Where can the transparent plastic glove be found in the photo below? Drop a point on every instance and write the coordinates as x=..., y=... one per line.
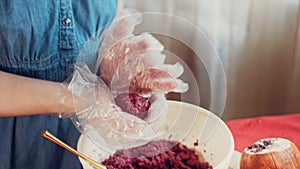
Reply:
x=66, y=99
x=135, y=63
x=103, y=121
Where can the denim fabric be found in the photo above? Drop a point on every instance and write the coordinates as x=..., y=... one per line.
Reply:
x=41, y=39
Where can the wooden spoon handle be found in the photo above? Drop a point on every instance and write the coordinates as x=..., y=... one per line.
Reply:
x=54, y=139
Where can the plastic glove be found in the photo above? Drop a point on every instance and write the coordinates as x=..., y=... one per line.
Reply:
x=128, y=64
x=103, y=121
x=135, y=63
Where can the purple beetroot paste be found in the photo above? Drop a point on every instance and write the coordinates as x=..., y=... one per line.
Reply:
x=173, y=156
x=134, y=104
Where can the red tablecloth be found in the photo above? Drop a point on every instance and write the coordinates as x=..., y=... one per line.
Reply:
x=247, y=131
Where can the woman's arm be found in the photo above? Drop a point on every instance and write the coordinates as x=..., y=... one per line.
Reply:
x=27, y=96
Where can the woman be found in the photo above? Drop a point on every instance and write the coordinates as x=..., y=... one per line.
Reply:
x=39, y=40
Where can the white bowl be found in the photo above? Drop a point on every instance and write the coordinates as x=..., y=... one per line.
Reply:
x=188, y=124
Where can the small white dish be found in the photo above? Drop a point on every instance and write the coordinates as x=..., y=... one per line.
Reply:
x=235, y=160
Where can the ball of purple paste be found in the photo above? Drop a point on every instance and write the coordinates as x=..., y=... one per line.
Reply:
x=134, y=104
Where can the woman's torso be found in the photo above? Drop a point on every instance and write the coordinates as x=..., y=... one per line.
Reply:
x=41, y=39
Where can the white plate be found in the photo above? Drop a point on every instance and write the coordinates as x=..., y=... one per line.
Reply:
x=186, y=123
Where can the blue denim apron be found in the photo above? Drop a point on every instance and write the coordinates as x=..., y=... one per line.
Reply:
x=40, y=39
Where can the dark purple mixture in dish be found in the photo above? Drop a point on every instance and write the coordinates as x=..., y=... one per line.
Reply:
x=134, y=104
x=160, y=154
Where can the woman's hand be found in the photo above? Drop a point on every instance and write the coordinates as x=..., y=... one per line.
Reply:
x=103, y=119
x=135, y=63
